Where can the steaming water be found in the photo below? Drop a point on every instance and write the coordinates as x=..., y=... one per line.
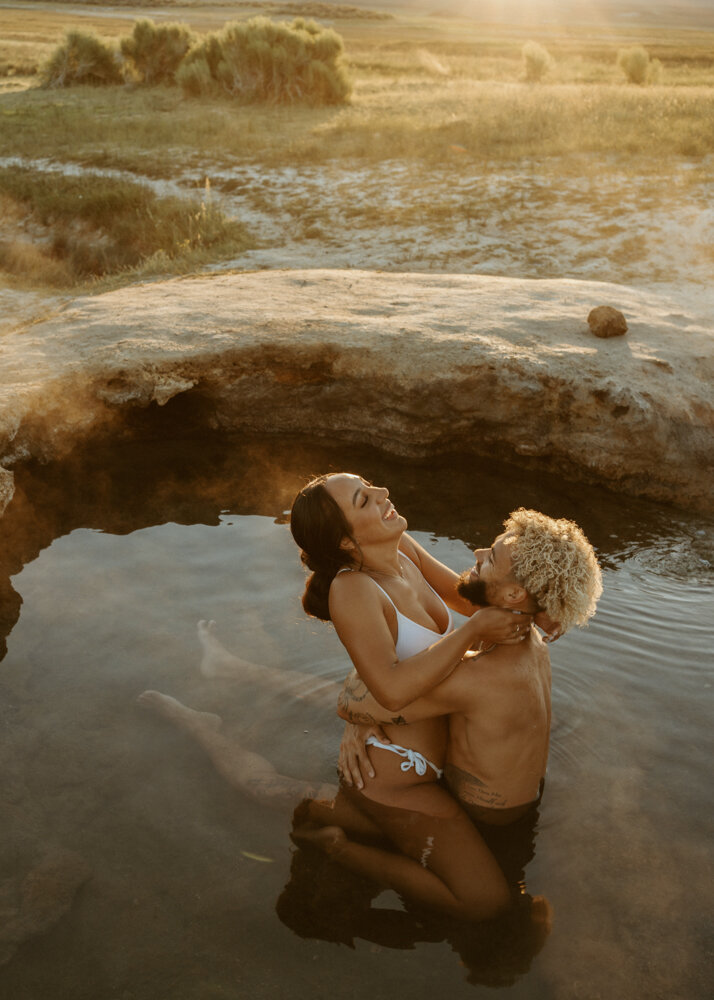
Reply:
x=119, y=553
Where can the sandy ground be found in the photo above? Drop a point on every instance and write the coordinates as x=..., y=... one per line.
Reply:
x=646, y=232
x=651, y=232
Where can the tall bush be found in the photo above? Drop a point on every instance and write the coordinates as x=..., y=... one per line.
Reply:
x=264, y=60
x=81, y=59
x=155, y=50
x=537, y=61
x=194, y=76
x=634, y=63
x=198, y=73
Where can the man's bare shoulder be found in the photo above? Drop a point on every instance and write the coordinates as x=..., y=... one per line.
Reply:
x=539, y=646
x=495, y=664
x=469, y=684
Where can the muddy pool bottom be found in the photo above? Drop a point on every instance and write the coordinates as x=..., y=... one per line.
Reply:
x=129, y=868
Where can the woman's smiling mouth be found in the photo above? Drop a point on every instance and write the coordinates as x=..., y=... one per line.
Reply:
x=389, y=513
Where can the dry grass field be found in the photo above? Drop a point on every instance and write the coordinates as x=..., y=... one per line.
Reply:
x=444, y=158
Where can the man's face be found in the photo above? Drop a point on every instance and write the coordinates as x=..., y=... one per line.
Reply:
x=487, y=583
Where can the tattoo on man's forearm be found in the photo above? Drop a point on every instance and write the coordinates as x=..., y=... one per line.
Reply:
x=355, y=689
x=353, y=692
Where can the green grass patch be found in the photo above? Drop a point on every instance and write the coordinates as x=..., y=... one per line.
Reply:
x=153, y=131
x=96, y=226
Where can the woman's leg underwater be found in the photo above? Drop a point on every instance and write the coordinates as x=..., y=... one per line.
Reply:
x=444, y=862
x=248, y=772
x=244, y=770
x=217, y=662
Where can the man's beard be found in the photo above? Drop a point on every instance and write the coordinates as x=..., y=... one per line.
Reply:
x=473, y=590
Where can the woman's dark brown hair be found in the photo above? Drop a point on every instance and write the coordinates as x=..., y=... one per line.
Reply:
x=319, y=527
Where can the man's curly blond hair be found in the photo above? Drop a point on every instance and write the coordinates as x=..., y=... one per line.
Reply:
x=556, y=564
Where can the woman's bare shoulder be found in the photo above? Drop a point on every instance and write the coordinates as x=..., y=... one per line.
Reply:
x=354, y=600
x=350, y=584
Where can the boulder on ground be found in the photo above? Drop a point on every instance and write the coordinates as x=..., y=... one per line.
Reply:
x=604, y=321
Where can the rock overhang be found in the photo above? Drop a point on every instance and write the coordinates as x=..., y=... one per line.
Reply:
x=413, y=364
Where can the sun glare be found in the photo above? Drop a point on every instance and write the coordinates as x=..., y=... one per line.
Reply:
x=541, y=12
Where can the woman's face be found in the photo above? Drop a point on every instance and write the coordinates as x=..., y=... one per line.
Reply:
x=367, y=508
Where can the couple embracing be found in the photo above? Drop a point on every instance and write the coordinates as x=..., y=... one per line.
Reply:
x=463, y=712
x=444, y=755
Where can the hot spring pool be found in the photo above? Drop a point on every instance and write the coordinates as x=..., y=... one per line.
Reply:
x=118, y=553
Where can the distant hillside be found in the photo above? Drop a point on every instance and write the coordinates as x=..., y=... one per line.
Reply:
x=299, y=8
x=654, y=13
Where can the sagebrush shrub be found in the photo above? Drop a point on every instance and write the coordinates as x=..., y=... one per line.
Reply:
x=537, y=61
x=264, y=60
x=82, y=58
x=195, y=78
x=156, y=50
x=654, y=71
x=634, y=63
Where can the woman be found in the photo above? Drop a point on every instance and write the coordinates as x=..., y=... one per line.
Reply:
x=390, y=603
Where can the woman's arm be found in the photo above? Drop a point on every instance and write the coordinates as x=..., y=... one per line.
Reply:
x=357, y=610
x=456, y=693
x=444, y=581
x=438, y=576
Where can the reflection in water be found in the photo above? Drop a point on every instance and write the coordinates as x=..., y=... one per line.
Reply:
x=322, y=900
x=113, y=578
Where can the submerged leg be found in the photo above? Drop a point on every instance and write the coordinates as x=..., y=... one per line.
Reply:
x=444, y=863
x=218, y=662
x=339, y=811
x=244, y=770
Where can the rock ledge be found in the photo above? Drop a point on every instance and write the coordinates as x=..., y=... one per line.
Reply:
x=414, y=364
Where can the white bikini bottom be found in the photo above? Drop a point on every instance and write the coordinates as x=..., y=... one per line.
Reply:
x=413, y=759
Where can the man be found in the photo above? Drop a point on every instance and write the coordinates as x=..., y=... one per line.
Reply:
x=498, y=699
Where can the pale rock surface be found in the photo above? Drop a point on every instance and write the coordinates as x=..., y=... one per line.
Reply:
x=414, y=364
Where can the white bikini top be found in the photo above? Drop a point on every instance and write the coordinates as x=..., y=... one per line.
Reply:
x=413, y=638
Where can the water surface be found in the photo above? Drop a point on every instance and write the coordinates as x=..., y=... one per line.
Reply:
x=120, y=551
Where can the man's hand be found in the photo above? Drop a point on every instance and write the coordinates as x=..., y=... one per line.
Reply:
x=354, y=760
